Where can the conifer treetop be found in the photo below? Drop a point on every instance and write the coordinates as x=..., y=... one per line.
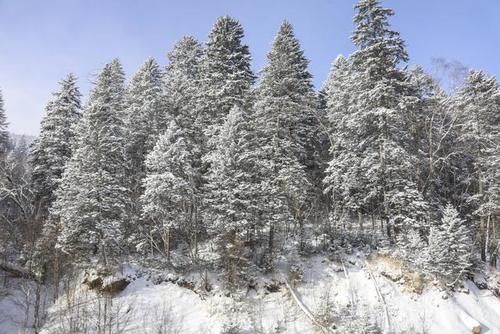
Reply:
x=4, y=135
x=374, y=37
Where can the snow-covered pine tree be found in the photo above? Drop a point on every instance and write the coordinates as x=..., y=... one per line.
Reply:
x=4, y=134
x=378, y=123
x=430, y=129
x=287, y=76
x=53, y=148
x=234, y=199
x=92, y=198
x=171, y=195
x=287, y=80
x=413, y=249
x=181, y=82
x=450, y=247
x=226, y=79
x=284, y=105
x=477, y=105
x=344, y=178
x=145, y=121
x=336, y=91
x=226, y=76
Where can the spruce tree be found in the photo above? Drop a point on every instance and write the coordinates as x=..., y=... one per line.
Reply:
x=233, y=170
x=170, y=197
x=4, y=134
x=234, y=200
x=344, y=177
x=284, y=107
x=146, y=120
x=182, y=88
x=413, y=249
x=226, y=74
x=377, y=125
x=53, y=147
x=477, y=104
x=450, y=247
x=336, y=92
x=92, y=198
x=181, y=82
x=225, y=81
x=287, y=80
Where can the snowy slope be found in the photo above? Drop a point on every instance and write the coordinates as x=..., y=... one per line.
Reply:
x=339, y=294
x=407, y=311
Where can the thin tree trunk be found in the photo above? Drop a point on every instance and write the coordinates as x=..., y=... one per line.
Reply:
x=104, y=255
x=388, y=228
x=167, y=243
x=360, y=221
x=482, y=223
x=196, y=225
x=57, y=275
x=271, y=238
x=487, y=238
x=36, y=310
x=496, y=244
x=105, y=315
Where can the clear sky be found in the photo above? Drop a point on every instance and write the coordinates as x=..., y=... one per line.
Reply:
x=42, y=41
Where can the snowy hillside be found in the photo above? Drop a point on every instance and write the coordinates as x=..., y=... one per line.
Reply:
x=353, y=295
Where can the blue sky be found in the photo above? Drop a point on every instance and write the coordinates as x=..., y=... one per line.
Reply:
x=42, y=41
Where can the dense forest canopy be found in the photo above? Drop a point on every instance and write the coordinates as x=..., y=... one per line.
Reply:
x=206, y=151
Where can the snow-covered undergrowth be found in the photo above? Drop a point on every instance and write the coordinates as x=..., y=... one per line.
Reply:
x=346, y=295
x=407, y=312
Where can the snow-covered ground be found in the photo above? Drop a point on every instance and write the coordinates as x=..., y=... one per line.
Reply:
x=339, y=294
x=407, y=312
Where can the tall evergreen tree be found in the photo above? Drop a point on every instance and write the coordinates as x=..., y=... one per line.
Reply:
x=226, y=74
x=287, y=80
x=182, y=88
x=477, y=104
x=53, y=147
x=344, y=178
x=234, y=198
x=284, y=110
x=171, y=194
x=92, y=198
x=4, y=134
x=378, y=124
x=336, y=92
x=225, y=81
x=146, y=120
x=181, y=82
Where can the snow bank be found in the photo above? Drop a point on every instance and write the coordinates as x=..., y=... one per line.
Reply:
x=334, y=296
